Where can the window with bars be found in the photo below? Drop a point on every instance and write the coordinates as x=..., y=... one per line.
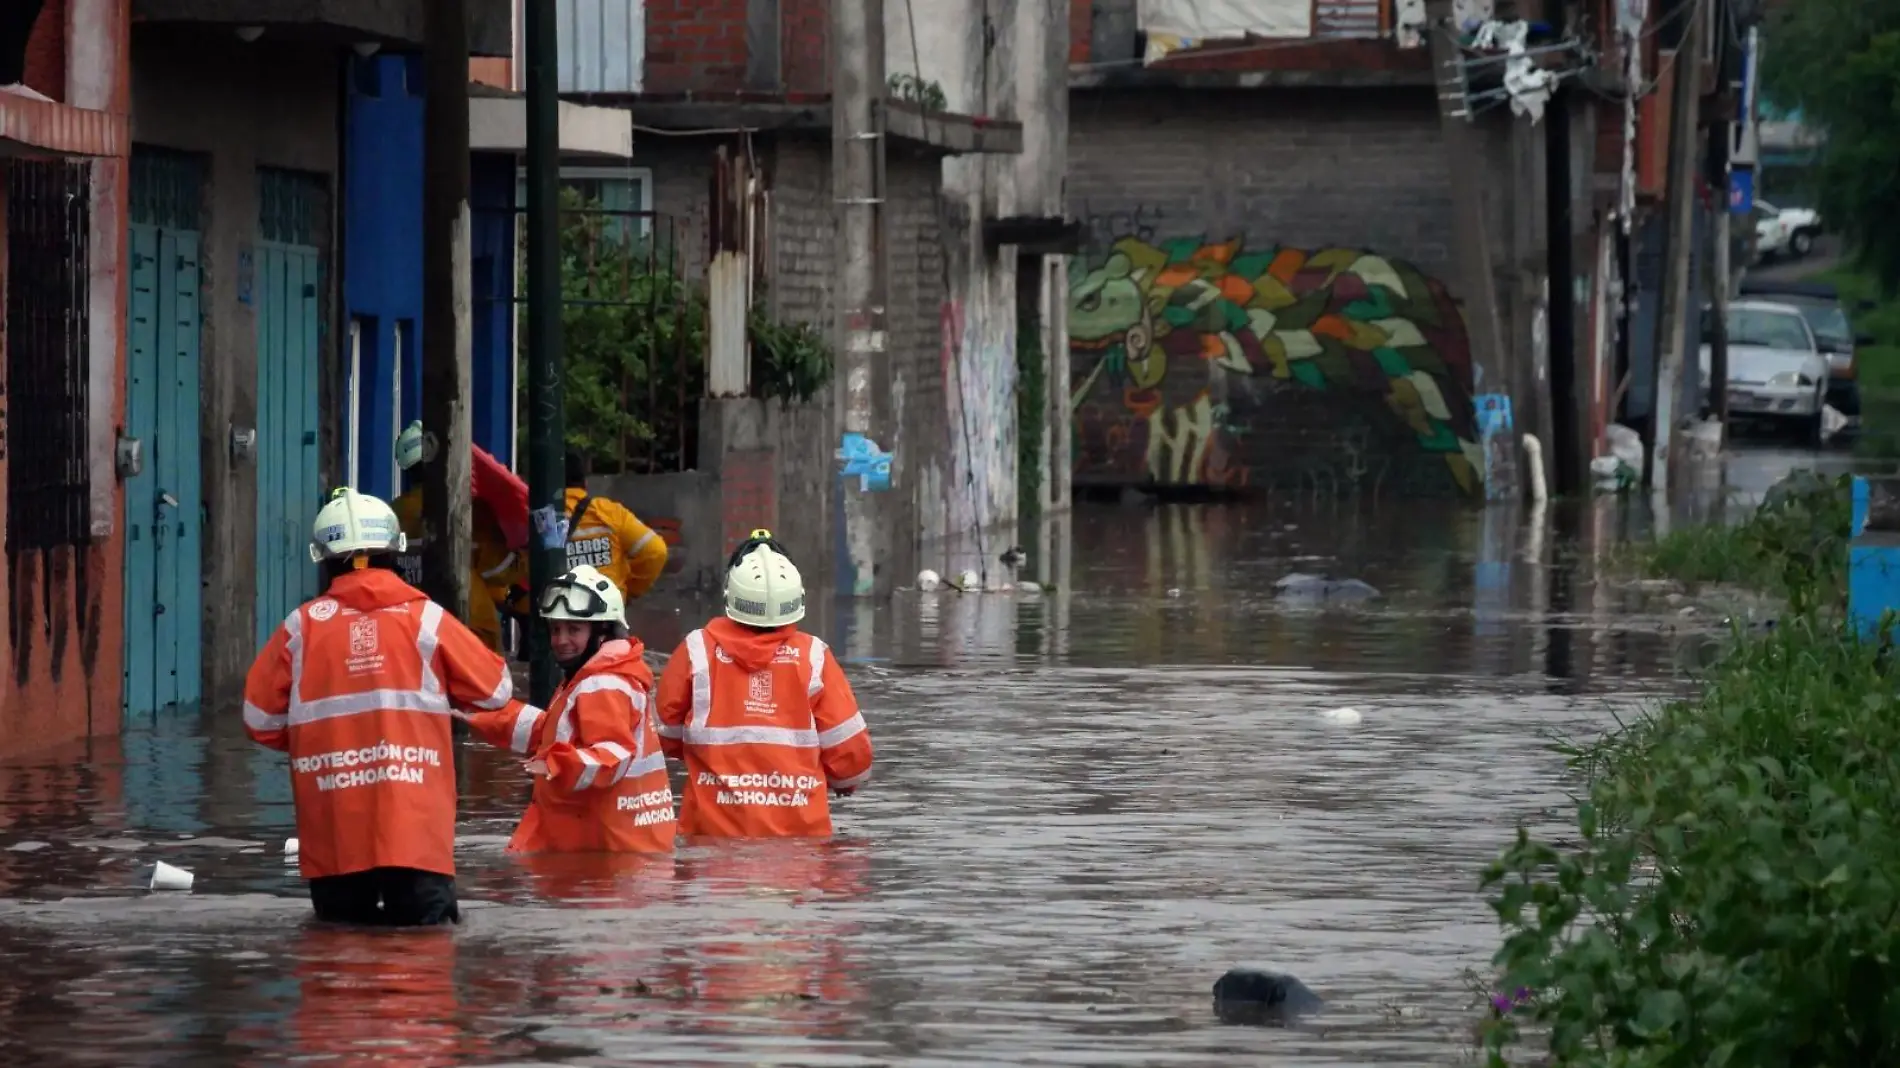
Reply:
x=49, y=482
x=622, y=192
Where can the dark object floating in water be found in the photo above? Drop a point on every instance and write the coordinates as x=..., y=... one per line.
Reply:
x=1246, y=996
x=1323, y=588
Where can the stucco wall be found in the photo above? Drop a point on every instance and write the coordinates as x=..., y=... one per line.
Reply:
x=265, y=104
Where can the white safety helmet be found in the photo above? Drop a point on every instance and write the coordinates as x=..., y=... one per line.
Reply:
x=763, y=589
x=409, y=446
x=353, y=523
x=584, y=595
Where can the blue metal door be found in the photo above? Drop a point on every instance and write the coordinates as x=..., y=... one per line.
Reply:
x=288, y=288
x=164, y=501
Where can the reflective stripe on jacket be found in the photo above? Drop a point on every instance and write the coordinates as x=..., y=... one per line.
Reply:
x=766, y=725
x=607, y=789
x=356, y=686
x=611, y=538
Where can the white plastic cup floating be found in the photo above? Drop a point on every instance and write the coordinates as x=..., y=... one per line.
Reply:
x=290, y=849
x=166, y=877
x=929, y=581
x=1345, y=717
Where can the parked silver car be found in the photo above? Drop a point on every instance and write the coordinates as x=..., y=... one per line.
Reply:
x=1775, y=366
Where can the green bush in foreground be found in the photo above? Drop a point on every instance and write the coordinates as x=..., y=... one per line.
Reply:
x=1794, y=546
x=1731, y=897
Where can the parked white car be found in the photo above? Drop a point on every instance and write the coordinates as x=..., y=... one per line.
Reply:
x=1775, y=366
x=1785, y=231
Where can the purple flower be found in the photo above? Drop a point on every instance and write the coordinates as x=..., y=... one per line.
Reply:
x=1503, y=1005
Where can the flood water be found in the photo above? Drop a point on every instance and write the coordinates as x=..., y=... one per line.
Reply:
x=1088, y=805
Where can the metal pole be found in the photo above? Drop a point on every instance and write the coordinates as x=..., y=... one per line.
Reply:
x=546, y=474
x=445, y=306
x=1678, y=248
x=857, y=149
x=1721, y=233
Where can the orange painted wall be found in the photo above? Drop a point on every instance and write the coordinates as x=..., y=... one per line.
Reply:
x=60, y=650
x=489, y=70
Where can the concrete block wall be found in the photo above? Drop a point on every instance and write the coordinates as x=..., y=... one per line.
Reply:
x=1338, y=361
x=802, y=237
x=776, y=465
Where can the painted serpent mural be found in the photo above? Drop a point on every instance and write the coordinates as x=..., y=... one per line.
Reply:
x=1209, y=364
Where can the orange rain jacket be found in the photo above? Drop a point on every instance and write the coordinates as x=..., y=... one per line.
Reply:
x=606, y=789
x=356, y=686
x=766, y=724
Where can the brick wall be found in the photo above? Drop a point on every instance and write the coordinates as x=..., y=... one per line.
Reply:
x=1303, y=379
x=805, y=37
x=46, y=51
x=695, y=46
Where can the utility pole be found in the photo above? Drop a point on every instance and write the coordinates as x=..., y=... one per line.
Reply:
x=446, y=324
x=857, y=154
x=546, y=436
x=1720, y=238
x=1472, y=235
x=1678, y=246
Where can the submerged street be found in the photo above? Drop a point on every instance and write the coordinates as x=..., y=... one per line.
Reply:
x=1088, y=804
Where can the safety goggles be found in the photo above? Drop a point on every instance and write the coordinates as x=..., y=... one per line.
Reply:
x=758, y=538
x=573, y=599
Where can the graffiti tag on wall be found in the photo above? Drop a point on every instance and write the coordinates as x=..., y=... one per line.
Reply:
x=1220, y=365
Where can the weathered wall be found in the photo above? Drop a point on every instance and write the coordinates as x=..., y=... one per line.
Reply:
x=1017, y=74
x=60, y=648
x=781, y=463
x=247, y=106
x=1262, y=303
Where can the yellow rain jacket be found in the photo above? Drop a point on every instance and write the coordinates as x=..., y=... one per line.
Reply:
x=612, y=538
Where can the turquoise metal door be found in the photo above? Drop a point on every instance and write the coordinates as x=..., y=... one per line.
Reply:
x=164, y=622
x=288, y=288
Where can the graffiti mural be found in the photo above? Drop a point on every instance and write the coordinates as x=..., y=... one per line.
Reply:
x=1330, y=371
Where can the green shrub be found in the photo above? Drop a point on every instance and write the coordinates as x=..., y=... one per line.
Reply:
x=634, y=334
x=1730, y=897
x=1794, y=546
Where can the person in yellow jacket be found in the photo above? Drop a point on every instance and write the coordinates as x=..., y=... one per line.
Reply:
x=493, y=568
x=607, y=536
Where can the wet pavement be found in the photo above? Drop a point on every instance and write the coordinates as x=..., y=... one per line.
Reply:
x=1089, y=803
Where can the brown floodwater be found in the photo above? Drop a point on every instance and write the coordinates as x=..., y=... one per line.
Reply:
x=1089, y=803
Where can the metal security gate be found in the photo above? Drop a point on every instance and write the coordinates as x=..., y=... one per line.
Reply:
x=289, y=299
x=164, y=503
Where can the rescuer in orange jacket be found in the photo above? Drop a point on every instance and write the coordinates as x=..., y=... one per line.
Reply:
x=599, y=774
x=357, y=687
x=760, y=711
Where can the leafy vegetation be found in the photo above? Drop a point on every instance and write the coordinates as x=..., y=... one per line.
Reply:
x=634, y=337
x=1728, y=896
x=1794, y=547
x=926, y=95
x=1838, y=62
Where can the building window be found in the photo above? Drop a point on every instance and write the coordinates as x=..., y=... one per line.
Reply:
x=625, y=193
x=49, y=483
